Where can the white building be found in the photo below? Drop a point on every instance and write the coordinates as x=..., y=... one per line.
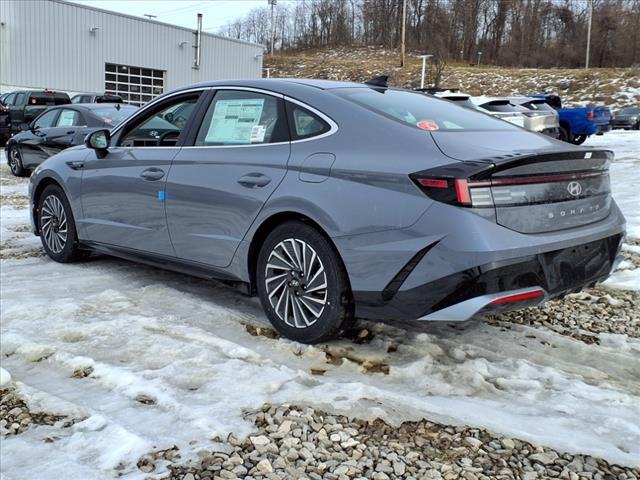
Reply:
x=75, y=48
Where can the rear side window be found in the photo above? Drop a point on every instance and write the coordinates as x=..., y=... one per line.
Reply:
x=68, y=118
x=19, y=99
x=421, y=111
x=243, y=118
x=305, y=124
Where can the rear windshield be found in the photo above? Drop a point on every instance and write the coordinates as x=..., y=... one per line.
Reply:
x=630, y=111
x=462, y=101
x=538, y=105
x=501, y=106
x=421, y=111
x=112, y=115
x=45, y=98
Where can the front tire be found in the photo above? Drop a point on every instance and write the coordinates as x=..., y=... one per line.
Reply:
x=15, y=162
x=303, y=285
x=57, y=226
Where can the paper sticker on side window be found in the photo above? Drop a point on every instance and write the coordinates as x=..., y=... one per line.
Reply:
x=66, y=118
x=235, y=121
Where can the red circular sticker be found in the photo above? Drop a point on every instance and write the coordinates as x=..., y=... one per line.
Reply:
x=427, y=125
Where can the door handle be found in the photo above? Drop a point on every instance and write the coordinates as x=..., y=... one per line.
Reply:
x=70, y=132
x=152, y=174
x=253, y=180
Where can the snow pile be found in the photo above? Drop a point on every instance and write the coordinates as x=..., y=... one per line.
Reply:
x=5, y=378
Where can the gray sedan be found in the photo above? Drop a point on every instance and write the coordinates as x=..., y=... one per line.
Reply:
x=335, y=200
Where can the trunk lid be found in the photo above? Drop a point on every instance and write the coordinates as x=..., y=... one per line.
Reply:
x=545, y=187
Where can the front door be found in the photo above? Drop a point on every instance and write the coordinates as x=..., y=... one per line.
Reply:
x=218, y=185
x=123, y=191
x=33, y=145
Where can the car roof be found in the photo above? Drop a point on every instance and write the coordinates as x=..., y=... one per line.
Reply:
x=279, y=85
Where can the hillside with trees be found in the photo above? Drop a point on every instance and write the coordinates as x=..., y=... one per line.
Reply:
x=518, y=33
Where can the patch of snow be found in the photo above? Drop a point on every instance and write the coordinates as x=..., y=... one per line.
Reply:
x=5, y=378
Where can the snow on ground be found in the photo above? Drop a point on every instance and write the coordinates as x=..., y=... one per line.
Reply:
x=144, y=359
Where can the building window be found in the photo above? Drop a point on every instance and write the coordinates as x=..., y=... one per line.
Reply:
x=136, y=85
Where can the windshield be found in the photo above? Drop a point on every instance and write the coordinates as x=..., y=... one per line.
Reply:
x=112, y=115
x=420, y=111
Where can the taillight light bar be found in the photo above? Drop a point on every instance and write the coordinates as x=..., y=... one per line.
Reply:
x=463, y=191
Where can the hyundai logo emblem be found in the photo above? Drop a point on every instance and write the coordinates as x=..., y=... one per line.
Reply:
x=574, y=188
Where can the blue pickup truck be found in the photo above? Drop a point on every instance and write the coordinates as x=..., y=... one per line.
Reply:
x=576, y=124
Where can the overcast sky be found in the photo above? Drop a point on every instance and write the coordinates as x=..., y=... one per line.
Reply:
x=216, y=12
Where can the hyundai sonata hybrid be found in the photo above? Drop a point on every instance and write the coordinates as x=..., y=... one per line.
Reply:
x=334, y=201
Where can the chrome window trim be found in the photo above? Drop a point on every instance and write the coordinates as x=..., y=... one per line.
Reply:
x=332, y=124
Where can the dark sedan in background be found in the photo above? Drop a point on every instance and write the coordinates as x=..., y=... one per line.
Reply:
x=627, y=118
x=59, y=128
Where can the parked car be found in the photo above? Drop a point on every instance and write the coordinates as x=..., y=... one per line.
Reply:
x=26, y=105
x=577, y=124
x=627, y=118
x=96, y=98
x=335, y=200
x=452, y=95
x=5, y=126
x=502, y=108
x=540, y=117
x=59, y=128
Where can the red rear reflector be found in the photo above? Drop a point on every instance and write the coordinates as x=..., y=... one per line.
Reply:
x=590, y=115
x=518, y=297
x=462, y=191
x=433, y=182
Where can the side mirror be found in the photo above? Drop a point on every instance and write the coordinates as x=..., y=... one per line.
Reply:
x=98, y=140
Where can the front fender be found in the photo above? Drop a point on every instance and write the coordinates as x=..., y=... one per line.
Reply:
x=56, y=170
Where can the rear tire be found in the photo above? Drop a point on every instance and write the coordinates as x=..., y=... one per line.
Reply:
x=57, y=226
x=579, y=139
x=303, y=285
x=565, y=136
x=15, y=162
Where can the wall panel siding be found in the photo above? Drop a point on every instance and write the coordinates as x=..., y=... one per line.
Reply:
x=48, y=44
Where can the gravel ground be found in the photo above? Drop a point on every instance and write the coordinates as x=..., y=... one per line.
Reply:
x=583, y=316
x=302, y=443
x=15, y=416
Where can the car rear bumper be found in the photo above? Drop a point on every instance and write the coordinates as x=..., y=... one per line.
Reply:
x=623, y=124
x=499, y=286
x=602, y=128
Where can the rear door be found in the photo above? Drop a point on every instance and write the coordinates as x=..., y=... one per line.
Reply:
x=218, y=185
x=16, y=111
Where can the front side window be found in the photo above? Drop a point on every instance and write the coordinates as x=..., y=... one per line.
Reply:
x=305, y=124
x=243, y=118
x=68, y=118
x=420, y=111
x=9, y=99
x=159, y=129
x=46, y=120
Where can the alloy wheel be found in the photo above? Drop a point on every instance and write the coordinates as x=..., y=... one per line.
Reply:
x=53, y=223
x=296, y=283
x=15, y=163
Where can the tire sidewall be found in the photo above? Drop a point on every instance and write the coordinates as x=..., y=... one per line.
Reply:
x=337, y=310
x=70, y=249
x=19, y=170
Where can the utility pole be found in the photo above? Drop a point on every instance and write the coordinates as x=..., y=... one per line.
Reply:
x=404, y=32
x=586, y=63
x=273, y=23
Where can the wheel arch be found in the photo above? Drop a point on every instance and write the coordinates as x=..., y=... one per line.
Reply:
x=267, y=226
x=37, y=192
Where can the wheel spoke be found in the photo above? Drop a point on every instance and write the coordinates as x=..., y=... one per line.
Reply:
x=290, y=264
